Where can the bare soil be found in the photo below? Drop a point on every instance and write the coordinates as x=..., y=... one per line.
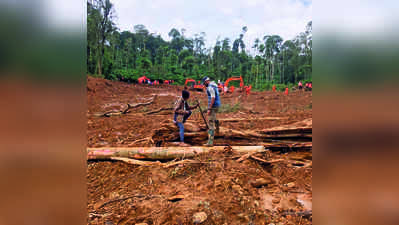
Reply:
x=221, y=186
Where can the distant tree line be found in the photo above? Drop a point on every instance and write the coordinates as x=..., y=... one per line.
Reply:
x=126, y=56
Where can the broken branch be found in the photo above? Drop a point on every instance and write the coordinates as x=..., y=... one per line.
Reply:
x=138, y=105
x=129, y=106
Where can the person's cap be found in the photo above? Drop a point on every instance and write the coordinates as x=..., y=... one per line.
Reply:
x=205, y=79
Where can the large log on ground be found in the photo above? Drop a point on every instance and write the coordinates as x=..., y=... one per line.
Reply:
x=161, y=153
x=195, y=134
x=302, y=127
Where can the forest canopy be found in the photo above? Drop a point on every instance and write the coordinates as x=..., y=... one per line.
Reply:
x=125, y=55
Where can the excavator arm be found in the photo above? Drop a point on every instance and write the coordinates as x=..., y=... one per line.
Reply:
x=226, y=84
x=189, y=81
x=235, y=78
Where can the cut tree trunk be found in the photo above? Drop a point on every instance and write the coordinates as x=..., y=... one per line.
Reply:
x=160, y=153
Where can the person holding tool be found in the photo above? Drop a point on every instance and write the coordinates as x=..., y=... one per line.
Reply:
x=181, y=113
x=213, y=106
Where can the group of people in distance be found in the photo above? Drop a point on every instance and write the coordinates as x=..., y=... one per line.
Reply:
x=224, y=89
x=156, y=82
x=308, y=86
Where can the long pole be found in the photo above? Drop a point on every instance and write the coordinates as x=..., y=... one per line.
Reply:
x=203, y=117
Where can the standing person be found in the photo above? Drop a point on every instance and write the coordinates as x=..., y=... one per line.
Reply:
x=182, y=112
x=213, y=106
x=300, y=85
x=248, y=89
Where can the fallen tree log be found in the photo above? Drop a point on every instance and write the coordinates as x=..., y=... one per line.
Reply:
x=125, y=111
x=196, y=135
x=160, y=153
x=164, y=135
x=302, y=127
x=151, y=163
x=188, y=126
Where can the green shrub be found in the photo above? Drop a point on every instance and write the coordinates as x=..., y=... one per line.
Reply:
x=97, y=75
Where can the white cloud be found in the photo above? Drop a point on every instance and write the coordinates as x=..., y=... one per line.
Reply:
x=253, y=2
x=227, y=11
x=63, y=14
x=358, y=17
x=223, y=17
x=238, y=21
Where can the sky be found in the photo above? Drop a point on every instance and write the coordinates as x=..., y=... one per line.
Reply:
x=225, y=18
x=217, y=18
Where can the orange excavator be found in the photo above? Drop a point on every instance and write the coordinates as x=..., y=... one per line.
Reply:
x=193, y=85
x=226, y=84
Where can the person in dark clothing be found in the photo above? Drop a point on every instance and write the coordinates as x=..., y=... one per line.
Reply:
x=181, y=113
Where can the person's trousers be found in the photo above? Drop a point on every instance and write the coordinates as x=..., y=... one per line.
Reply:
x=181, y=125
x=181, y=131
x=212, y=124
x=185, y=117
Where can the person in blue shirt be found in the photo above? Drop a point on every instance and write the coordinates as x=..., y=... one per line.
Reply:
x=213, y=106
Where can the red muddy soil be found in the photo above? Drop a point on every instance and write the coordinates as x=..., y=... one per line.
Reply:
x=221, y=187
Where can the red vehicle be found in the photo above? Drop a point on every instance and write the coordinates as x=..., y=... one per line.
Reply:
x=193, y=85
x=143, y=80
x=226, y=84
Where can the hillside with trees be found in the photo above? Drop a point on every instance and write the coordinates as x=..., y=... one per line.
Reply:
x=125, y=55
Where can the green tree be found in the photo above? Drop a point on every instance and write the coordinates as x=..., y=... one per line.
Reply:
x=127, y=55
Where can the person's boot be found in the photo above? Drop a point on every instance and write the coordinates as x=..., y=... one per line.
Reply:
x=217, y=126
x=210, y=138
